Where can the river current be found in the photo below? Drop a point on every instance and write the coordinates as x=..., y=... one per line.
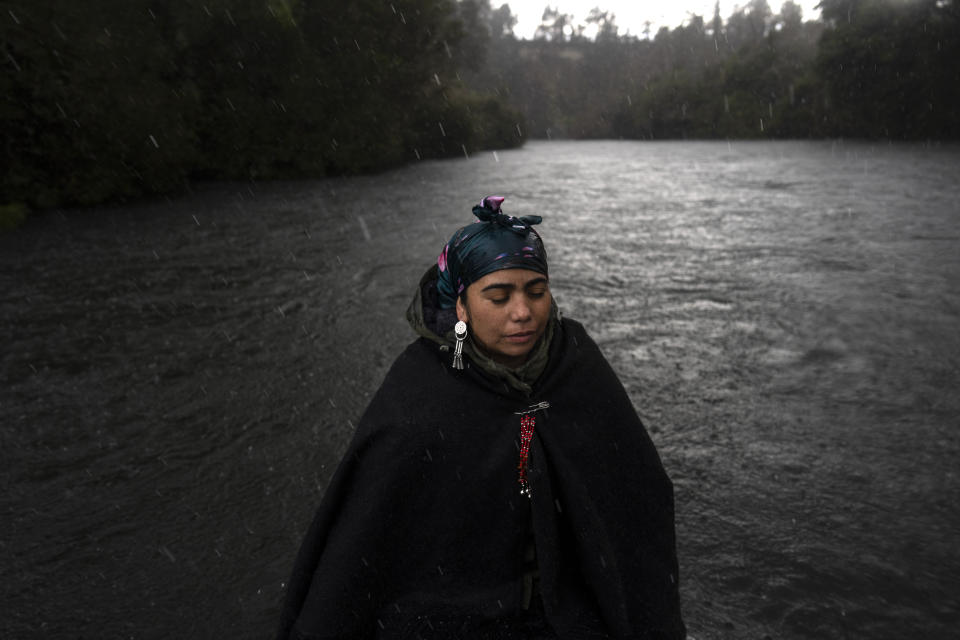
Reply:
x=179, y=377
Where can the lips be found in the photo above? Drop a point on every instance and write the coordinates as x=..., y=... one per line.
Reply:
x=521, y=337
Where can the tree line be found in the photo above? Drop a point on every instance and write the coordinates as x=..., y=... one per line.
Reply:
x=111, y=99
x=880, y=69
x=117, y=98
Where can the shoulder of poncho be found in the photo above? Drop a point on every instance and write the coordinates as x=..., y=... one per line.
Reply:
x=422, y=357
x=412, y=393
x=588, y=371
x=576, y=331
x=579, y=348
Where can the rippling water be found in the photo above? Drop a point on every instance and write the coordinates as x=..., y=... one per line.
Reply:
x=179, y=377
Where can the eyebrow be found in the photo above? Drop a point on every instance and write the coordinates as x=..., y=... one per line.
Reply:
x=510, y=287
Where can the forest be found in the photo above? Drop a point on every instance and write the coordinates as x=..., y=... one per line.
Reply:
x=871, y=69
x=115, y=99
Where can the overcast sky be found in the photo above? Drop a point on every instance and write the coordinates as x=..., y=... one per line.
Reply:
x=631, y=14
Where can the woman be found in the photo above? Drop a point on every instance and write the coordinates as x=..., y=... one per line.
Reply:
x=500, y=484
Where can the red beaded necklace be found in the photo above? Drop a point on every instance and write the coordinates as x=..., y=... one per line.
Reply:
x=527, y=424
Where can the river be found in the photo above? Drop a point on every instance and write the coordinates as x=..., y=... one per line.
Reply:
x=179, y=376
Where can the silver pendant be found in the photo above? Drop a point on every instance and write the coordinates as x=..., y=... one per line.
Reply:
x=460, y=330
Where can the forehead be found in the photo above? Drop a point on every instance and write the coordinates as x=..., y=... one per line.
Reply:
x=518, y=278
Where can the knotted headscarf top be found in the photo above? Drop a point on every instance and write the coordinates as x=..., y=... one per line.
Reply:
x=497, y=241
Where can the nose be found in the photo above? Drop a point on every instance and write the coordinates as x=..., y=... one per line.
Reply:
x=520, y=310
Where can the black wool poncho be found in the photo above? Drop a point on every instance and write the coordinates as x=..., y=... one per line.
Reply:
x=422, y=530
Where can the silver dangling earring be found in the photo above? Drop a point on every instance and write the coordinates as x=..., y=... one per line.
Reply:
x=460, y=329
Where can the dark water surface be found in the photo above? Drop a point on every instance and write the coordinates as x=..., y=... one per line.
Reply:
x=179, y=378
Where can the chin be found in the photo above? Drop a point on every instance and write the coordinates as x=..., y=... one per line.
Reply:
x=514, y=353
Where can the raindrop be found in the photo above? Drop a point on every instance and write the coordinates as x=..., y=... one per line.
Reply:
x=496, y=158
x=10, y=58
x=165, y=551
x=364, y=229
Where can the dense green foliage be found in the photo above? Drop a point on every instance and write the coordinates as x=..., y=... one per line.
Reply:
x=869, y=68
x=114, y=98
x=890, y=68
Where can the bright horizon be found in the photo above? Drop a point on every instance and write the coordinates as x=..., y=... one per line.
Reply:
x=631, y=14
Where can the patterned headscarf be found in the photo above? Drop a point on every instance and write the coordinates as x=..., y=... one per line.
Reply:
x=497, y=241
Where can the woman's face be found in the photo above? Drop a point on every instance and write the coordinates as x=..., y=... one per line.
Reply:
x=507, y=311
